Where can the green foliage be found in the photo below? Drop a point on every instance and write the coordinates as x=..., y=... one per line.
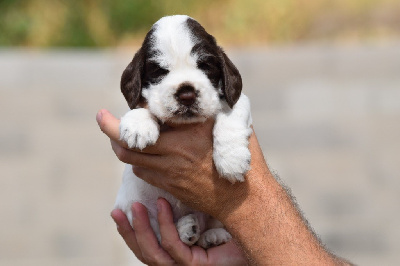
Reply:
x=75, y=32
x=99, y=23
x=129, y=16
x=13, y=26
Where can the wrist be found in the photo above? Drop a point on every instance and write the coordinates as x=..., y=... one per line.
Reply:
x=246, y=198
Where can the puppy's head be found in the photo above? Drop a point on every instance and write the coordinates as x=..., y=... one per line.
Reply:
x=180, y=73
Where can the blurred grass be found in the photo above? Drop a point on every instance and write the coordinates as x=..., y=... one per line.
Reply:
x=101, y=23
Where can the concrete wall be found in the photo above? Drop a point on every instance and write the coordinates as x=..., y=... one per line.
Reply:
x=327, y=118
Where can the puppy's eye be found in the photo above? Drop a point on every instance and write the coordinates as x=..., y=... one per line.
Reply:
x=211, y=68
x=154, y=73
x=208, y=65
x=203, y=65
x=155, y=70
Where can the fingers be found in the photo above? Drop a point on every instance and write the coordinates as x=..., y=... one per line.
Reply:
x=170, y=240
x=167, y=141
x=127, y=232
x=180, y=133
x=137, y=158
x=150, y=176
x=142, y=240
x=209, y=123
x=152, y=253
x=109, y=124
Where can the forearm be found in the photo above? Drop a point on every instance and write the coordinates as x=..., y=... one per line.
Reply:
x=268, y=226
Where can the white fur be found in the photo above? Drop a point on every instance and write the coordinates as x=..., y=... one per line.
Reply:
x=231, y=133
x=134, y=189
x=173, y=40
x=188, y=229
x=162, y=103
x=139, y=128
x=214, y=237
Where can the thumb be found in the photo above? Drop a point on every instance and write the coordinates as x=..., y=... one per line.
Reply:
x=108, y=123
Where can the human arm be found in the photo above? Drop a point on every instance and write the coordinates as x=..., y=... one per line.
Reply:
x=258, y=213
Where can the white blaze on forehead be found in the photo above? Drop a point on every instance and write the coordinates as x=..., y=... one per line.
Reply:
x=172, y=38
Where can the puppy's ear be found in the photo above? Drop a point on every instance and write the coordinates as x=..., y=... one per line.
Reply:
x=131, y=79
x=231, y=80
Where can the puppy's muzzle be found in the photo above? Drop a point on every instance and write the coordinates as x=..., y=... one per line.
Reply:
x=186, y=95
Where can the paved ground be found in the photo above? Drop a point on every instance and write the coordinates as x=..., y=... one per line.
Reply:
x=327, y=118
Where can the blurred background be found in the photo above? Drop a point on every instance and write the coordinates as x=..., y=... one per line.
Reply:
x=324, y=81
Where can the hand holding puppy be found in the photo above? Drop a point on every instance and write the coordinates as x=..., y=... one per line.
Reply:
x=180, y=162
x=260, y=215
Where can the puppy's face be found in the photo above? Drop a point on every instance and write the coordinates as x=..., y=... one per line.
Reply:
x=180, y=73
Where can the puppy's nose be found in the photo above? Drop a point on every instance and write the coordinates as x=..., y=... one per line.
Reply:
x=186, y=95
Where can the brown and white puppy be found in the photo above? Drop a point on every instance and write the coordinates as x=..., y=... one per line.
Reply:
x=181, y=75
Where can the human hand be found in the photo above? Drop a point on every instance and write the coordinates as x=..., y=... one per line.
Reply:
x=181, y=163
x=143, y=242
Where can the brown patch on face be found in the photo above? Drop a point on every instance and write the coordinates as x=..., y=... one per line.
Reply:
x=213, y=61
x=141, y=72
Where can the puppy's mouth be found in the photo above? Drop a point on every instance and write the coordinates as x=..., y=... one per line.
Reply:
x=187, y=112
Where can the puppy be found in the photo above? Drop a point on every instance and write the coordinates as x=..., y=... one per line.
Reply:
x=180, y=75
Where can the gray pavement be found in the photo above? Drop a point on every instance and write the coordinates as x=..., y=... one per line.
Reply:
x=327, y=118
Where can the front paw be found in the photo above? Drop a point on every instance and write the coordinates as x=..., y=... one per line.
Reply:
x=232, y=163
x=138, y=129
x=188, y=229
x=232, y=130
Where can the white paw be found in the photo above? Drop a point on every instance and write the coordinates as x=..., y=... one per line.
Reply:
x=231, y=140
x=232, y=155
x=233, y=164
x=214, y=237
x=139, y=129
x=188, y=229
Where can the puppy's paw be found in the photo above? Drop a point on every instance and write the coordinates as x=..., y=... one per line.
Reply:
x=214, y=237
x=189, y=229
x=232, y=160
x=139, y=129
x=232, y=130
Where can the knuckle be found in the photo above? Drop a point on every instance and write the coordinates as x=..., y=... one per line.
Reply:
x=121, y=154
x=140, y=257
x=167, y=244
x=153, y=259
x=124, y=231
x=161, y=259
x=148, y=259
x=138, y=171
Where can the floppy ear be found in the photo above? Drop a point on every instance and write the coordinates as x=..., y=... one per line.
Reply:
x=231, y=80
x=131, y=79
